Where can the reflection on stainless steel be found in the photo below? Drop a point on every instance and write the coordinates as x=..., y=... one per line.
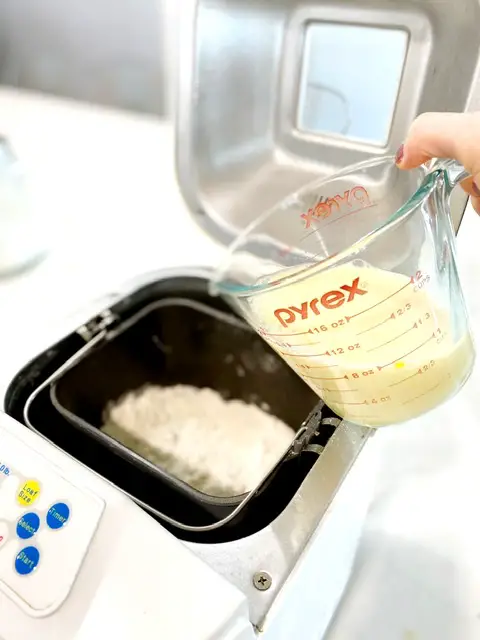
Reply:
x=320, y=88
x=346, y=60
x=240, y=149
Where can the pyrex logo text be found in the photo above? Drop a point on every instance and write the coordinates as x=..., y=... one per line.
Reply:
x=329, y=300
x=351, y=201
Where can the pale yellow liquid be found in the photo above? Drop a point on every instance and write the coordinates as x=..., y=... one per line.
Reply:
x=383, y=357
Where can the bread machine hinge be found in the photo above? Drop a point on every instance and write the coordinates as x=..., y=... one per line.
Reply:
x=97, y=325
x=309, y=429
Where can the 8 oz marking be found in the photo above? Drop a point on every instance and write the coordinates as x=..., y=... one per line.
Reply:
x=367, y=372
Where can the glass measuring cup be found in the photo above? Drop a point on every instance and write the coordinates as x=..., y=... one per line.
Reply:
x=353, y=281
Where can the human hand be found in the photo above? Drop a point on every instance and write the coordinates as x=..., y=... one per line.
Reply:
x=445, y=135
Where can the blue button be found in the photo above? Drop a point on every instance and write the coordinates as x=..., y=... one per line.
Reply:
x=28, y=525
x=58, y=515
x=27, y=560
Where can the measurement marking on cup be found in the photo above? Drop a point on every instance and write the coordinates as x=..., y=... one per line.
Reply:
x=302, y=355
x=407, y=354
x=345, y=215
x=339, y=390
x=307, y=344
x=310, y=233
x=415, y=326
x=350, y=403
x=320, y=378
x=404, y=379
x=316, y=366
x=282, y=335
x=422, y=394
x=375, y=326
x=381, y=301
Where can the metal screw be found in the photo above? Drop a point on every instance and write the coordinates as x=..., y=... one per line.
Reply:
x=262, y=581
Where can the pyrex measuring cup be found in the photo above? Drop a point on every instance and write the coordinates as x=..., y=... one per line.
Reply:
x=353, y=281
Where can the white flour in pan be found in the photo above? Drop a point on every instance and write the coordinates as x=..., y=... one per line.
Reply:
x=221, y=447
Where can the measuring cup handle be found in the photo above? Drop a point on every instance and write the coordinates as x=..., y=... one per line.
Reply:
x=454, y=172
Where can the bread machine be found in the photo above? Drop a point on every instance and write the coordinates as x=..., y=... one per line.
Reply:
x=94, y=540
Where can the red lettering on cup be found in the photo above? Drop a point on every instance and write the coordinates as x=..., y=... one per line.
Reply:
x=333, y=299
x=354, y=199
x=329, y=300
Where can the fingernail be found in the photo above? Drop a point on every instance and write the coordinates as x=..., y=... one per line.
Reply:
x=476, y=189
x=399, y=154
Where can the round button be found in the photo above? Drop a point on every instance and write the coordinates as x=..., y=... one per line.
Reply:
x=3, y=533
x=27, y=560
x=28, y=492
x=58, y=515
x=28, y=525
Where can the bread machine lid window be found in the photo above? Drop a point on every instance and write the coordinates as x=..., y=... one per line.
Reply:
x=273, y=94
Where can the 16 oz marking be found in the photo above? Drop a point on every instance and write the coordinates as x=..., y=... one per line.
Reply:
x=325, y=327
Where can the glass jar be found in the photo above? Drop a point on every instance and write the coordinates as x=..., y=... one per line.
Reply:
x=22, y=238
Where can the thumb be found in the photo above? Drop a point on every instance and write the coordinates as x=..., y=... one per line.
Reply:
x=443, y=135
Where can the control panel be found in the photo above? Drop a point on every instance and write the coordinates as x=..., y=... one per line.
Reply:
x=46, y=526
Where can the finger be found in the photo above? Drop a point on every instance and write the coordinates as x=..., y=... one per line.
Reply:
x=470, y=187
x=476, y=204
x=443, y=135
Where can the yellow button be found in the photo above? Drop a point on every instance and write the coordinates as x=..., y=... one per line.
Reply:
x=28, y=492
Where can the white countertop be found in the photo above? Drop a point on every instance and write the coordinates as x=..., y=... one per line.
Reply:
x=107, y=182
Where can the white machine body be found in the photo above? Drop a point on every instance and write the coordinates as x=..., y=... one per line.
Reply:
x=80, y=560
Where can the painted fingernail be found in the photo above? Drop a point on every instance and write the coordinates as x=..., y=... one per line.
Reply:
x=476, y=189
x=399, y=154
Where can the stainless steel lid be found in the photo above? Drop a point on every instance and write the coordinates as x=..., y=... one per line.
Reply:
x=275, y=92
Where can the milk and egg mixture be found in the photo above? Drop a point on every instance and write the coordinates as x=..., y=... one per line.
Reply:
x=371, y=343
